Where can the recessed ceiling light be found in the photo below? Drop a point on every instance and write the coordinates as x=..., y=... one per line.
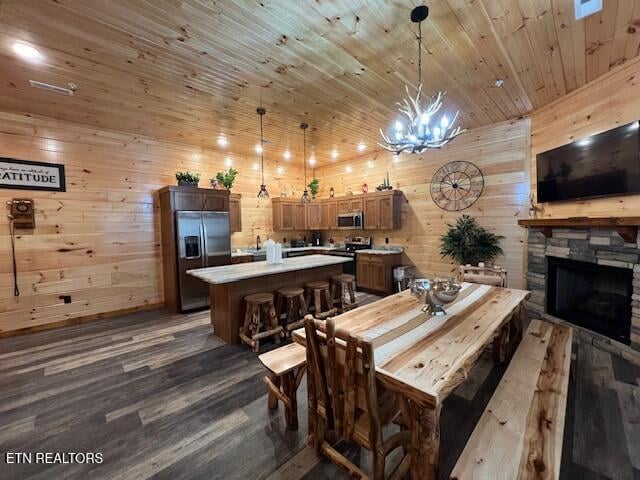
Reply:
x=312, y=161
x=334, y=154
x=256, y=166
x=499, y=82
x=222, y=141
x=258, y=149
x=348, y=169
x=361, y=147
x=280, y=170
x=286, y=154
x=26, y=51
x=228, y=161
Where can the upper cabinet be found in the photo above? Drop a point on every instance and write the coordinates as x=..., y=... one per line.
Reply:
x=235, y=213
x=314, y=216
x=380, y=211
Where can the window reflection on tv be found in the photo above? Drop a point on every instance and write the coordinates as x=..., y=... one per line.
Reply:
x=601, y=165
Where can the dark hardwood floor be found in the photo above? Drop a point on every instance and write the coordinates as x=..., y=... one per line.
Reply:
x=160, y=397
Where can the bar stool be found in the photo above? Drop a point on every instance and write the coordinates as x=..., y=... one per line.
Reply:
x=321, y=298
x=292, y=304
x=343, y=285
x=260, y=314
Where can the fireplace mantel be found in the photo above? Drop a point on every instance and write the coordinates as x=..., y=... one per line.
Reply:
x=627, y=227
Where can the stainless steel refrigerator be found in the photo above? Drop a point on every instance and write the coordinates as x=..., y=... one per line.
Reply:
x=203, y=241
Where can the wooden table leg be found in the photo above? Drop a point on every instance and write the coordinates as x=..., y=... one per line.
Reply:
x=425, y=441
x=515, y=333
x=501, y=344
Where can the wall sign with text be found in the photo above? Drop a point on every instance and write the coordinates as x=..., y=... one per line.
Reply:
x=26, y=175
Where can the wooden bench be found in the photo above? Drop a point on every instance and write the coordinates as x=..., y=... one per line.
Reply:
x=287, y=366
x=519, y=435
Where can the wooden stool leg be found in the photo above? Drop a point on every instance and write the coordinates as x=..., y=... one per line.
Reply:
x=303, y=306
x=272, y=400
x=334, y=287
x=255, y=321
x=352, y=295
x=289, y=388
x=279, y=308
x=273, y=320
x=327, y=298
x=317, y=302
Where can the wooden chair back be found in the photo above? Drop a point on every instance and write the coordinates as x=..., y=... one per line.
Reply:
x=341, y=372
x=494, y=276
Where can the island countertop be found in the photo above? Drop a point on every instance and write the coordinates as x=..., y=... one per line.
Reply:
x=244, y=271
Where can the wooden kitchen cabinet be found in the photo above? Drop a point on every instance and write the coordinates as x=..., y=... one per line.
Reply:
x=314, y=216
x=382, y=210
x=187, y=200
x=300, y=216
x=329, y=214
x=374, y=272
x=344, y=206
x=283, y=214
x=370, y=213
x=235, y=213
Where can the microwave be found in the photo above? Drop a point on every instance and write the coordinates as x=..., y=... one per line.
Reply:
x=350, y=221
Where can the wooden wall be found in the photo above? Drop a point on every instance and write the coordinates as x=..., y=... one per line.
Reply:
x=100, y=241
x=500, y=151
x=607, y=102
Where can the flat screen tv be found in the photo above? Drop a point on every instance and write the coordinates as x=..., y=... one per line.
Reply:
x=601, y=165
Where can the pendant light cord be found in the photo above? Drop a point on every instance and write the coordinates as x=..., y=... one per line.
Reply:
x=261, y=149
x=419, y=53
x=304, y=153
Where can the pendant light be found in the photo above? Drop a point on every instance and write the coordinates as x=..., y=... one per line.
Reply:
x=305, y=196
x=263, y=188
x=422, y=130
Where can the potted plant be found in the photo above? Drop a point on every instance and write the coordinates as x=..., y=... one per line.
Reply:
x=188, y=179
x=227, y=178
x=466, y=242
x=314, y=187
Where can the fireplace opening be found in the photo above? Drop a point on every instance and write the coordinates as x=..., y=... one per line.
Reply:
x=597, y=297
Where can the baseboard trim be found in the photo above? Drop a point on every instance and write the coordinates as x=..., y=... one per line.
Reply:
x=78, y=320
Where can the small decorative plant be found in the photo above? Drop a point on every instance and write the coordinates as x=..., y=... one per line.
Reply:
x=466, y=242
x=188, y=179
x=314, y=187
x=227, y=178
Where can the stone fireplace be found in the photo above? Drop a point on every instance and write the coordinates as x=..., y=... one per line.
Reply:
x=589, y=277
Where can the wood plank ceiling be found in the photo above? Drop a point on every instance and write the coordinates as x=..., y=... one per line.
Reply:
x=191, y=70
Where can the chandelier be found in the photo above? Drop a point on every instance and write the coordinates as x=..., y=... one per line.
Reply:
x=305, y=196
x=263, y=188
x=422, y=130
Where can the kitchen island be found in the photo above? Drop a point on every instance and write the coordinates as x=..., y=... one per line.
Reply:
x=229, y=284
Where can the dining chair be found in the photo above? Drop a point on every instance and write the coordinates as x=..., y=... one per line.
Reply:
x=347, y=403
x=495, y=276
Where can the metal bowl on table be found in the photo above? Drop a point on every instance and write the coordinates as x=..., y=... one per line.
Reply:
x=434, y=293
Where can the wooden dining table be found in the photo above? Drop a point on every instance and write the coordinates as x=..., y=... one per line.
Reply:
x=424, y=358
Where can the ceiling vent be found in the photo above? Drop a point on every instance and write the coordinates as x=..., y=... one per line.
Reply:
x=584, y=8
x=68, y=90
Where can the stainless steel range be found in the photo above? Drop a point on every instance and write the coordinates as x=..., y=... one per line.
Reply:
x=351, y=245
